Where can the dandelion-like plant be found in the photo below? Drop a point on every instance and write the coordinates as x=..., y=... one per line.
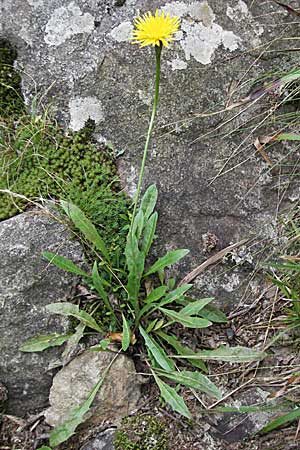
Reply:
x=157, y=30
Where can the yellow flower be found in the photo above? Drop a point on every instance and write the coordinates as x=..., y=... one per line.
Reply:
x=155, y=30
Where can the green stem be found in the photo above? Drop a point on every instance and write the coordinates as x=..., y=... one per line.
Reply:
x=150, y=128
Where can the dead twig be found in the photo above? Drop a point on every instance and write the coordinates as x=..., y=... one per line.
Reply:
x=212, y=260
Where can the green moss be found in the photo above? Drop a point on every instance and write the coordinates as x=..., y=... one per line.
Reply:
x=141, y=433
x=38, y=160
x=11, y=102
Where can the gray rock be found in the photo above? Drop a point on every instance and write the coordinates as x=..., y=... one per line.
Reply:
x=28, y=284
x=117, y=397
x=3, y=397
x=102, y=441
x=236, y=427
x=99, y=74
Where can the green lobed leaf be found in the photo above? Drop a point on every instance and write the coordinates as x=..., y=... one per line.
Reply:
x=194, y=380
x=282, y=420
x=125, y=334
x=44, y=448
x=170, y=396
x=149, y=232
x=69, y=309
x=64, y=263
x=195, y=306
x=157, y=352
x=170, y=258
x=85, y=226
x=40, y=343
x=187, y=321
x=229, y=354
x=182, y=350
x=149, y=200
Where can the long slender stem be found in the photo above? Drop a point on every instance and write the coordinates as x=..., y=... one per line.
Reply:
x=150, y=128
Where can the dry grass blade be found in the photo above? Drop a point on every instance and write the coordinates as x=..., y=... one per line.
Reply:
x=212, y=260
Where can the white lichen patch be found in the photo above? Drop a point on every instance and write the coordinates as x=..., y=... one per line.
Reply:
x=202, y=12
x=231, y=283
x=122, y=32
x=66, y=22
x=201, y=36
x=239, y=12
x=230, y=41
x=82, y=109
x=177, y=64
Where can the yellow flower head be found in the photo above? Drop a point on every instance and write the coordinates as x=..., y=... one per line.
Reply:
x=155, y=30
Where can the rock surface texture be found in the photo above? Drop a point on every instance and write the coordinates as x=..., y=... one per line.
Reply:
x=28, y=284
x=211, y=179
x=102, y=441
x=117, y=397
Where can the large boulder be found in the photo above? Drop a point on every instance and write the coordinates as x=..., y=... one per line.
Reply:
x=28, y=284
x=211, y=179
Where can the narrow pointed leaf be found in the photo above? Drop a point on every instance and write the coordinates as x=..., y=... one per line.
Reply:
x=40, y=343
x=156, y=294
x=229, y=354
x=149, y=233
x=287, y=137
x=98, y=285
x=157, y=352
x=85, y=226
x=138, y=224
x=214, y=314
x=170, y=396
x=135, y=262
x=282, y=420
x=193, y=308
x=170, y=258
x=149, y=201
x=64, y=264
x=72, y=343
x=68, y=309
x=182, y=350
x=187, y=321
x=175, y=295
x=194, y=380
x=125, y=334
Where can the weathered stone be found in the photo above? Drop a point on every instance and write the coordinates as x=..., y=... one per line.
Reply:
x=117, y=397
x=102, y=441
x=236, y=427
x=28, y=284
x=207, y=184
x=3, y=397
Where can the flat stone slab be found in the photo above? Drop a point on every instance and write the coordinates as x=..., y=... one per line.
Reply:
x=28, y=284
